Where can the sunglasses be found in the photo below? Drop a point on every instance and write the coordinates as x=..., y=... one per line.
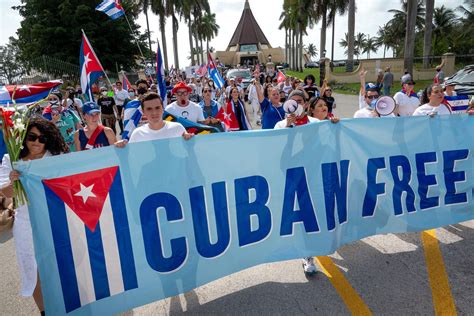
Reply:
x=372, y=97
x=205, y=91
x=33, y=137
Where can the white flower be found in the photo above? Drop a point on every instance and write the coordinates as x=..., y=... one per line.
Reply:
x=19, y=126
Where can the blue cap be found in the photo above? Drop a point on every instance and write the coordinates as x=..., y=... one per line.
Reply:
x=90, y=107
x=371, y=87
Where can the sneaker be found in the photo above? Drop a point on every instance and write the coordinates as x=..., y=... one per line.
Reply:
x=308, y=266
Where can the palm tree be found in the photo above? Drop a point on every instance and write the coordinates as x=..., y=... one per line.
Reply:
x=344, y=43
x=144, y=5
x=385, y=38
x=209, y=27
x=464, y=37
x=428, y=32
x=284, y=18
x=370, y=45
x=409, y=50
x=158, y=7
x=312, y=50
x=359, y=43
x=350, y=36
x=444, y=21
x=336, y=7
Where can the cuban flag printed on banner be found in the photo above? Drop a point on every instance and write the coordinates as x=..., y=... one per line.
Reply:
x=131, y=118
x=160, y=76
x=112, y=8
x=458, y=103
x=90, y=66
x=126, y=84
x=214, y=73
x=27, y=93
x=91, y=236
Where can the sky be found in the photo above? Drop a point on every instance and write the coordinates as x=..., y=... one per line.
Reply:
x=369, y=16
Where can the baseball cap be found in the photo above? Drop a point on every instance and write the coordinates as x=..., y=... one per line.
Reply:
x=408, y=80
x=90, y=107
x=371, y=87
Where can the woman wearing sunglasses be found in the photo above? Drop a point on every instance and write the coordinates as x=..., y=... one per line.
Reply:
x=326, y=94
x=42, y=139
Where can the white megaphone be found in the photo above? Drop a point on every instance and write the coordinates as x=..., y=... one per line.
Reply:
x=384, y=105
x=292, y=107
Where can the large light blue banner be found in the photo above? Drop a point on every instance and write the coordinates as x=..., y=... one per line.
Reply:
x=118, y=228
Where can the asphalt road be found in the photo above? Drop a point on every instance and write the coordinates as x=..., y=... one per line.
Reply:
x=402, y=274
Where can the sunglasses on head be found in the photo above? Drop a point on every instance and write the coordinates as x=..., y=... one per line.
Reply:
x=33, y=137
x=372, y=97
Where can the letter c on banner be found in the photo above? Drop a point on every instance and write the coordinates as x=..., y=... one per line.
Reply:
x=151, y=232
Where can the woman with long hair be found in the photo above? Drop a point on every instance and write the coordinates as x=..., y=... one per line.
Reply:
x=42, y=139
x=432, y=100
x=233, y=114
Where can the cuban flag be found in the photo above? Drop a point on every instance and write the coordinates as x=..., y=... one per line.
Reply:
x=90, y=66
x=125, y=83
x=132, y=116
x=91, y=236
x=280, y=76
x=27, y=93
x=458, y=103
x=112, y=8
x=160, y=76
x=214, y=73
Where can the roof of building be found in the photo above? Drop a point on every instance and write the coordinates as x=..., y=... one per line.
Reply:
x=248, y=31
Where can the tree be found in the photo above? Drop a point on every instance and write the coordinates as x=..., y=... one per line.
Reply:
x=409, y=50
x=385, y=38
x=55, y=31
x=444, y=21
x=428, y=32
x=344, y=43
x=10, y=66
x=145, y=4
x=312, y=50
x=370, y=45
x=359, y=43
x=350, y=36
x=336, y=7
x=209, y=27
x=464, y=41
x=158, y=7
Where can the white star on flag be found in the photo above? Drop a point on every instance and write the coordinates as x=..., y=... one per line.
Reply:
x=25, y=87
x=86, y=60
x=85, y=192
x=227, y=116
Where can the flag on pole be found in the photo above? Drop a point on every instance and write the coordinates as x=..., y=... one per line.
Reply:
x=90, y=66
x=214, y=73
x=112, y=8
x=280, y=76
x=160, y=76
x=125, y=83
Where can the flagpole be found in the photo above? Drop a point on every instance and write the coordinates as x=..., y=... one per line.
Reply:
x=133, y=34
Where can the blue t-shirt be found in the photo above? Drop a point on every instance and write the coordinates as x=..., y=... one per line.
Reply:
x=271, y=114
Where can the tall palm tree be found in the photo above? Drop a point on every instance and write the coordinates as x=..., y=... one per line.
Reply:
x=359, y=42
x=370, y=45
x=209, y=27
x=350, y=36
x=284, y=18
x=409, y=50
x=158, y=7
x=464, y=37
x=144, y=6
x=344, y=43
x=428, y=32
x=385, y=38
x=336, y=7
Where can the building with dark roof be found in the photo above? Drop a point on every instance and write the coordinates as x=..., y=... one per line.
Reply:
x=249, y=45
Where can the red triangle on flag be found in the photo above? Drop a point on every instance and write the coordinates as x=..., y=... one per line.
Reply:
x=85, y=193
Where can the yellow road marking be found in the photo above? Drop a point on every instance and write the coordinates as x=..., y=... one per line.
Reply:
x=350, y=297
x=442, y=298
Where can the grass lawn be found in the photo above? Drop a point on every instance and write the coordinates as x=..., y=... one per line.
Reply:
x=349, y=88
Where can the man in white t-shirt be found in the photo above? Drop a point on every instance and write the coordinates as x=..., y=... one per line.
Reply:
x=183, y=107
x=406, y=99
x=156, y=128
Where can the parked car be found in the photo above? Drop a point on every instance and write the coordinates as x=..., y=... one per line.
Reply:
x=339, y=63
x=244, y=74
x=464, y=80
x=311, y=64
